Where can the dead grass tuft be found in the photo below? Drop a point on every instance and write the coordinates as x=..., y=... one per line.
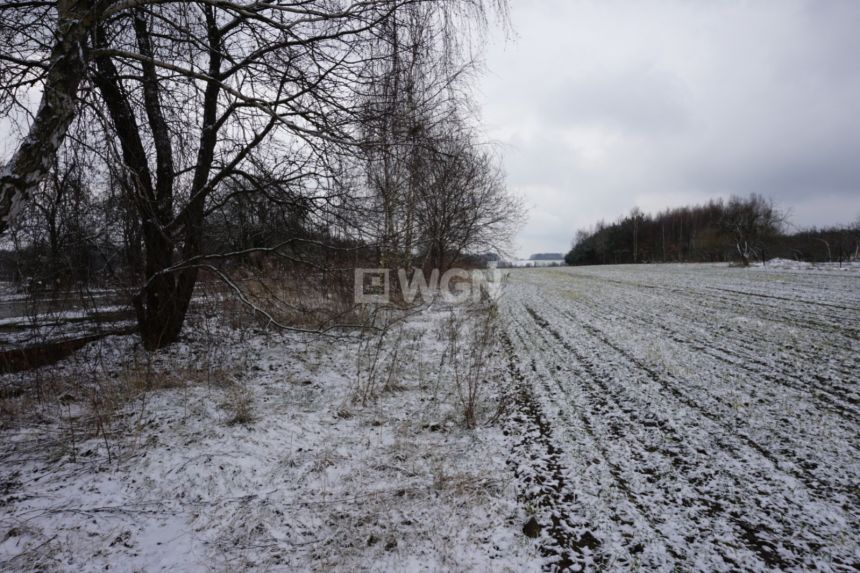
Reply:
x=240, y=405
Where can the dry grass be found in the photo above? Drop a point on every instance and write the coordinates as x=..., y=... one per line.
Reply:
x=86, y=398
x=239, y=405
x=310, y=299
x=88, y=395
x=470, y=340
x=453, y=365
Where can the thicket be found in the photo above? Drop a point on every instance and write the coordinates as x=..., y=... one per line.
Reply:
x=740, y=230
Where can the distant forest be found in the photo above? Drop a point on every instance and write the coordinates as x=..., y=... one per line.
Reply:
x=546, y=257
x=740, y=229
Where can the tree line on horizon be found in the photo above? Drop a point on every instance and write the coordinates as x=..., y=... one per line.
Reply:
x=739, y=230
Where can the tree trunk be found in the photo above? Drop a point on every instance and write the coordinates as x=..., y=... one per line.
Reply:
x=32, y=161
x=156, y=306
x=162, y=307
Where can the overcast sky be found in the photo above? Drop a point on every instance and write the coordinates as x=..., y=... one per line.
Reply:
x=603, y=105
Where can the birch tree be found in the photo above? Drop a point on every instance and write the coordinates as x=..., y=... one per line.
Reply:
x=191, y=93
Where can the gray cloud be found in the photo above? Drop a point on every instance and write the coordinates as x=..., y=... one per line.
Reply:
x=638, y=99
x=603, y=106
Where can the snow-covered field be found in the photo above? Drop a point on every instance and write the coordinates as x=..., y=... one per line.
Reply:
x=690, y=417
x=654, y=418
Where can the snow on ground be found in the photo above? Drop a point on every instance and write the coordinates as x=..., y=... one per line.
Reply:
x=249, y=451
x=791, y=265
x=59, y=317
x=657, y=418
x=40, y=318
x=16, y=333
x=688, y=417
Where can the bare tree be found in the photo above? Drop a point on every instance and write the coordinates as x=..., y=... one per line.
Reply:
x=636, y=217
x=463, y=204
x=436, y=191
x=193, y=96
x=41, y=44
x=409, y=113
x=751, y=221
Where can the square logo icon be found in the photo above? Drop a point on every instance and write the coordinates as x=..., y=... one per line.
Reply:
x=371, y=286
